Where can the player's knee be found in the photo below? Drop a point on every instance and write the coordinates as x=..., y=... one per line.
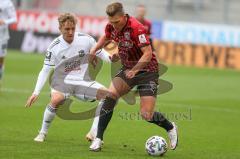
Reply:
x=104, y=92
x=113, y=95
x=57, y=100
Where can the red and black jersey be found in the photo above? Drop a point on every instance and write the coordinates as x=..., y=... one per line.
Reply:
x=130, y=39
x=147, y=24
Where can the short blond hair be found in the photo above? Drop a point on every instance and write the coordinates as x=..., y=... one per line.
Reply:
x=115, y=8
x=66, y=17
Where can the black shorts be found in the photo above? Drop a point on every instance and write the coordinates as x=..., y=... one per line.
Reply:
x=146, y=82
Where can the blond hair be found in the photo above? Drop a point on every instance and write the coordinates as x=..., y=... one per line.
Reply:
x=115, y=8
x=66, y=17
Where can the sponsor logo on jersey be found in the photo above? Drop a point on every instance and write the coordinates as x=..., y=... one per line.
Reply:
x=72, y=65
x=126, y=44
x=142, y=38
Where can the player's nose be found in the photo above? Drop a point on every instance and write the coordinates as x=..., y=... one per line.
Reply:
x=71, y=32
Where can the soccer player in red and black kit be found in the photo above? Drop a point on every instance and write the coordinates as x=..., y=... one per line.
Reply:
x=140, y=16
x=139, y=68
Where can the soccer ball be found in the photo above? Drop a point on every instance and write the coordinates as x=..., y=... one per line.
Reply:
x=156, y=146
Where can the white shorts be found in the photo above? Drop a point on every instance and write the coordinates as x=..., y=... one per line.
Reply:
x=3, y=48
x=82, y=90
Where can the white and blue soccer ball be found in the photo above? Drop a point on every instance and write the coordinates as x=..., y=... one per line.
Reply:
x=156, y=146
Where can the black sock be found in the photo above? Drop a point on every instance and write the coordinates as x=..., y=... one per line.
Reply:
x=161, y=121
x=105, y=115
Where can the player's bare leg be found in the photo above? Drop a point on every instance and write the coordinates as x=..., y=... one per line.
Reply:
x=117, y=88
x=147, y=111
x=147, y=105
x=50, y=112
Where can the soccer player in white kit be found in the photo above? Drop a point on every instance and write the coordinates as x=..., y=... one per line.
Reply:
x=68, y=55
x=7, y=16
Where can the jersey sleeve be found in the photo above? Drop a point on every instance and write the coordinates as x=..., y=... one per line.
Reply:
x=49, y=58
x=11, y=14
x=92, y=42
x=42, y=78
x=141, y=37
x=104, y=55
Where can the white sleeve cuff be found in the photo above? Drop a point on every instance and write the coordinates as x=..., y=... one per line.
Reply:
x=104, y=55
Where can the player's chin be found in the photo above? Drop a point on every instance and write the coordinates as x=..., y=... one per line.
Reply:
x=69, y=39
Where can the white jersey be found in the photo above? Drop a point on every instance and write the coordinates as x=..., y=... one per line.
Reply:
x=61, y=55
x=8, y=15
x=71, y=60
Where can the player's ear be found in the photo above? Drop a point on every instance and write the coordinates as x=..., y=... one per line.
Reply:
x=60, y=29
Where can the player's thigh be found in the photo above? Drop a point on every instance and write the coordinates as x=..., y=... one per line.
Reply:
x=96, y=91
x=88, y=90
x=147, y=105
x=57, y=98
x=118, y=87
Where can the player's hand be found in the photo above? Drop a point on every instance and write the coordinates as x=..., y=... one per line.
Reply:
x=114, y=57
x=93, y=58
x=2, y=22
x=31, y=100
x=130, y=74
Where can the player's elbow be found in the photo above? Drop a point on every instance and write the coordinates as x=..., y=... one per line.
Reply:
x=148, y=56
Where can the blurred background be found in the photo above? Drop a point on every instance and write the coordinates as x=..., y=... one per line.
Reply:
x=214, y=11
x=198, y=33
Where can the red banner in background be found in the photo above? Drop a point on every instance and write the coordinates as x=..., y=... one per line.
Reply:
x=35, y=30
x=46, y=22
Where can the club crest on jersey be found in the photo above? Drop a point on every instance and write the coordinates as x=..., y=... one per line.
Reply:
x=127, y=35
x=81, y=53
x=48, y=55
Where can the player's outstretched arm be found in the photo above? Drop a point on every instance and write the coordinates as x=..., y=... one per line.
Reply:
x=105, y=56
x=42, y=78
x=143, y=61
x=101, y=42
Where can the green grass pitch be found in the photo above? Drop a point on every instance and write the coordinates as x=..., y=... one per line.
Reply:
x=205, y=104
